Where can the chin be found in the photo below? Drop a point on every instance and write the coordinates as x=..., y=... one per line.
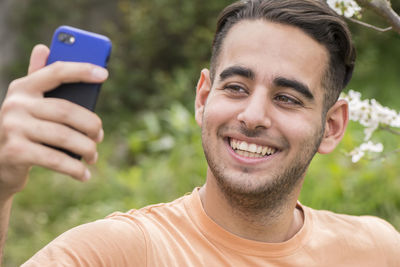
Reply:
x=245, y=183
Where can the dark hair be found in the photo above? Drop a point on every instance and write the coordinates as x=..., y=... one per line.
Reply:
x=315, y=18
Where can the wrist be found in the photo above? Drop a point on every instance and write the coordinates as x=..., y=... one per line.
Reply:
x=6, y=197
x=12, y=181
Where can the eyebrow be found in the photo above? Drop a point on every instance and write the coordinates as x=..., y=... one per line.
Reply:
x=236, y=71
x=294, y=84
x=278, y=81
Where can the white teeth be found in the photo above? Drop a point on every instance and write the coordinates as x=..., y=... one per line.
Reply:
x=250, y=150
x=253, y=148
x=264, y=151
x=233, y=144
x=240, y=152
x=243, y=146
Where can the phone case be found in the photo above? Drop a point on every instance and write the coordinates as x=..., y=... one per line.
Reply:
x=87, y=47
x=72, y=44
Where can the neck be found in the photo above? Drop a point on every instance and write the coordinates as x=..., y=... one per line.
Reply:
x=272, y=225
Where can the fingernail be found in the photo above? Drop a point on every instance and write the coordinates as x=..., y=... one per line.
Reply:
x=100, y=73
x=100, y=136
x=87, y=176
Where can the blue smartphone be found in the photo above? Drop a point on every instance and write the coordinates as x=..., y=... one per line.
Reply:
x=72, y=44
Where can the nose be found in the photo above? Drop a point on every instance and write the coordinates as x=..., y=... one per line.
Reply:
x=255, y=114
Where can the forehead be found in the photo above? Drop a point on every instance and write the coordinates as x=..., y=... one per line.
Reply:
x=271, y=49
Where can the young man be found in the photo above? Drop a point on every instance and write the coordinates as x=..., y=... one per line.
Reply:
x=267, y=105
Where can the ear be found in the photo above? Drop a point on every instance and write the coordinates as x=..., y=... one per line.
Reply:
x=335, y=125
x=202, y=91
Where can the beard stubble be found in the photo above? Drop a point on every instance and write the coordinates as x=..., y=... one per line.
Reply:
x=273, y=193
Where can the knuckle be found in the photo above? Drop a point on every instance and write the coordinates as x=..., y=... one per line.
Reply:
x=9, y=125
x=12, y=103
x=63, y=110
x=13, y=149
x=56, y=68
x=89, y=150
x=93, y=126
x=15, y=84
x=63, y=137
x=55, y=160
x=92, y=149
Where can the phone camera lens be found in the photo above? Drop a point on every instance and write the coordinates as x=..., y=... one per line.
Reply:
x=71, y=39
x=66, y=38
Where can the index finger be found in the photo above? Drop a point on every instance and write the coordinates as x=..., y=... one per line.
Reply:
x=59, y=72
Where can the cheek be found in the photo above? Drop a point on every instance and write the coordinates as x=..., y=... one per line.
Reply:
x=218, y=112
x=299, y=128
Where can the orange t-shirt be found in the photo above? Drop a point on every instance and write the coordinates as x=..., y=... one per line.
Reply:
x=181, y=234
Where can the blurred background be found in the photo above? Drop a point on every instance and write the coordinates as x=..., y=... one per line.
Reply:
x=152, y=150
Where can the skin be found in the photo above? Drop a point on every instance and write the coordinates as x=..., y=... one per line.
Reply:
x=27, y=120
x=256, y=198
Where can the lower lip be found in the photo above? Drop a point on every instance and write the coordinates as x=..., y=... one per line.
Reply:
x=247, y=160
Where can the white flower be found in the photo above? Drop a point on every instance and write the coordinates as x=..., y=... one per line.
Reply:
x=360, y=151
x=356, y=155
x=347, y=8
x=372, y=147
x=370, y=114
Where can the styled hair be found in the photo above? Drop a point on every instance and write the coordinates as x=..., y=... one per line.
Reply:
x=315, y=18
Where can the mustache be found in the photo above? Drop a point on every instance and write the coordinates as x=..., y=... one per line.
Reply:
x=251, y=133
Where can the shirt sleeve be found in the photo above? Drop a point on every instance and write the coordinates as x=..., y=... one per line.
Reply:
x=109, y=242
x=387, y=239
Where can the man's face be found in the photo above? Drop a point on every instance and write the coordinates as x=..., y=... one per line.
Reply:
x=262, y=118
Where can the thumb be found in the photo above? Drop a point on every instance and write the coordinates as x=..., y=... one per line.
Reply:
x=38, y=58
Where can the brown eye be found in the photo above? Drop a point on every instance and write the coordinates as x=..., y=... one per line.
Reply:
x=235, y=89
x=287, y=100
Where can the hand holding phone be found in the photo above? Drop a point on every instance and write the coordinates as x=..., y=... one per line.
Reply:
x=28, y=120
x=76, y=45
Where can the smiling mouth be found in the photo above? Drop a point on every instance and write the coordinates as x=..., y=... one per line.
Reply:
x=250, y=150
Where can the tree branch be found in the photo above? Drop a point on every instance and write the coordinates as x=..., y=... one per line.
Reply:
x=385, y=155
x=370, y=26
x=384, y=9
x=390, y=130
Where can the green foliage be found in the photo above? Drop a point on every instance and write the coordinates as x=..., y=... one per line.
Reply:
x=369, y=187
x=152, y=150
x=376, y=74
x=155, y=44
